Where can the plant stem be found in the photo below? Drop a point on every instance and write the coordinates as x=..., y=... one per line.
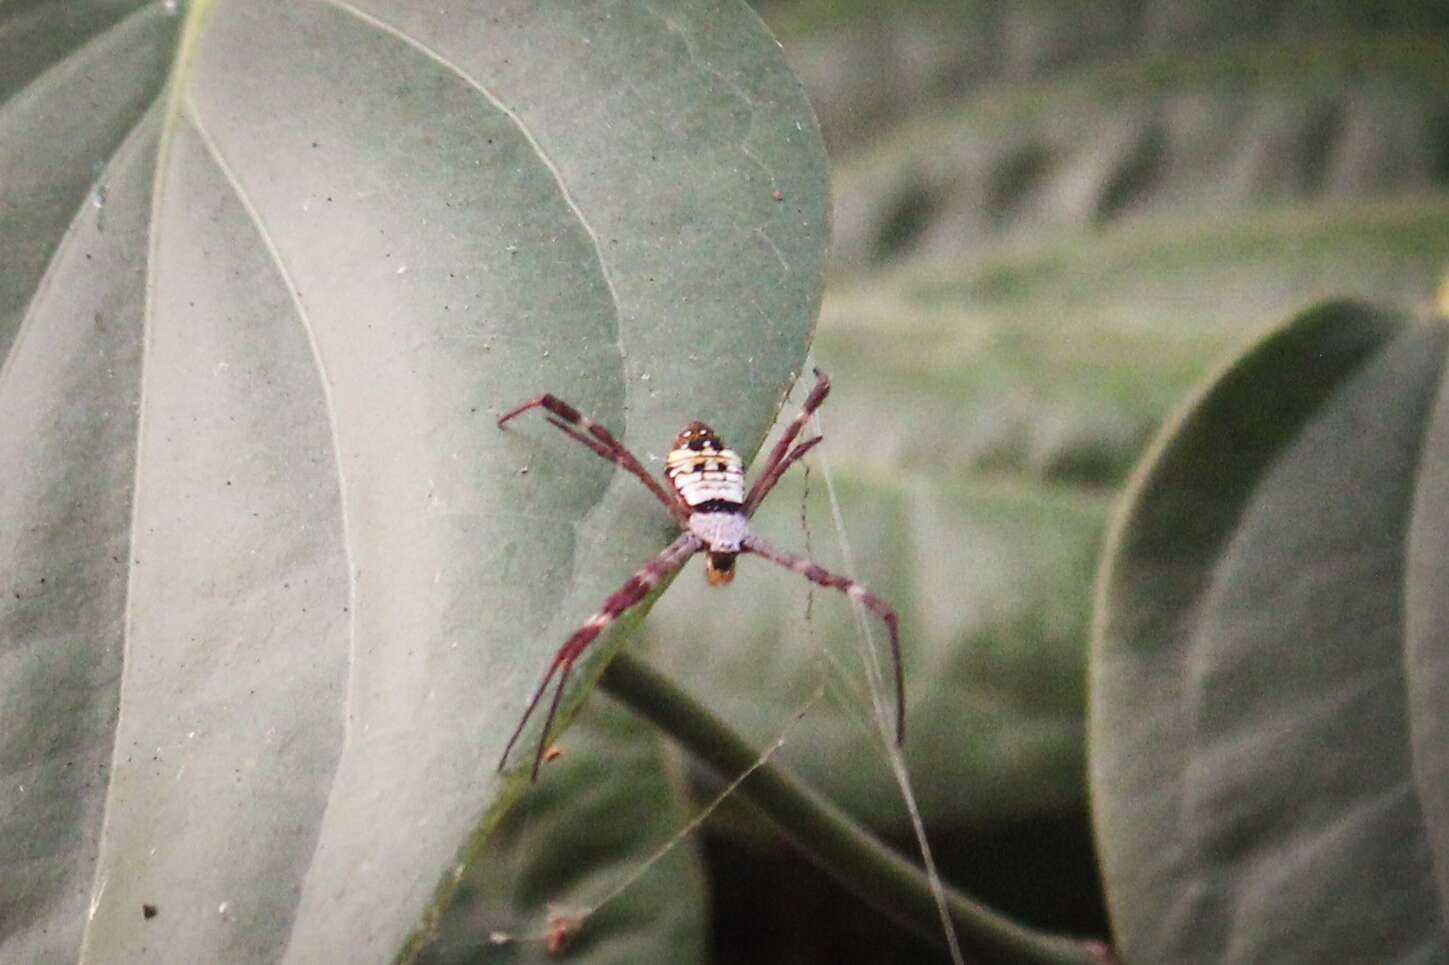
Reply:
x=831, y=840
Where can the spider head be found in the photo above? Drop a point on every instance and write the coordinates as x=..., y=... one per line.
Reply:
x=699, y=437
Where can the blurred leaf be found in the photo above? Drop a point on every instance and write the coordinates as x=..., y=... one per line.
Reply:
x=599, y=810
x=1057, y=363
x=275, y=586
x=1252, y=771
x=869, y=67
x=1331, y=115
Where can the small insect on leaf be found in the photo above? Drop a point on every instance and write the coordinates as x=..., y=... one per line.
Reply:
x=553, y=753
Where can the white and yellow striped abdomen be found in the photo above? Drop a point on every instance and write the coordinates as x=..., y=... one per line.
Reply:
x=706, y=475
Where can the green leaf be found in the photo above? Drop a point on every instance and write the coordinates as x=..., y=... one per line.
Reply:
x=1256, y=703
x=275, y=585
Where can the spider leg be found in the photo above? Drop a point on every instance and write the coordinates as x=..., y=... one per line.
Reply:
x=820, y=575
x=583, y=429
x=578, y=436
x=812, y=402
x=767, y=482
x=635, y=589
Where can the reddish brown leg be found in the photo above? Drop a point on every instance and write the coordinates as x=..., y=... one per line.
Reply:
x=852, y=589
x=636, y=589
x=767, y=482
x=589, y=441
x=812, y=402
x=583, y=429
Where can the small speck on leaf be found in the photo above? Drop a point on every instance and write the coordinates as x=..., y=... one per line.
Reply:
x=562, y=926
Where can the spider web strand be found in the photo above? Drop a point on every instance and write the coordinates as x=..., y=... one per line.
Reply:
x=694, y=823
x=871, y=660
x=582, y=913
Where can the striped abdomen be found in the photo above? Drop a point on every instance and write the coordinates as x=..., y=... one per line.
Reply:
x=704, y=472
x=711, y=481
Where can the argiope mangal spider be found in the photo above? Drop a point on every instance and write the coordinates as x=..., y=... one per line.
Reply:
x=711, y=506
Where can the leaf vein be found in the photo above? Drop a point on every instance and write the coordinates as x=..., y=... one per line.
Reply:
x=527, y=134
x=304, y=319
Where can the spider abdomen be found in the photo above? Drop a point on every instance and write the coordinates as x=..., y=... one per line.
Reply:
x=703, y=471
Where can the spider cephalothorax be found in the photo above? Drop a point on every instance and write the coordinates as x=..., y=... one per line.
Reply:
x=712, y=507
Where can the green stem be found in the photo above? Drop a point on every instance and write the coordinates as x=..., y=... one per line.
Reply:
x=831, y=840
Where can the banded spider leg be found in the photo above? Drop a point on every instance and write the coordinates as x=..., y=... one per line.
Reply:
x=635, y=589
x=820, y=576
x=782, y=457
x=581, y=428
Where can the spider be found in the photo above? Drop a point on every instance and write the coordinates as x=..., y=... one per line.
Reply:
x=710, y=504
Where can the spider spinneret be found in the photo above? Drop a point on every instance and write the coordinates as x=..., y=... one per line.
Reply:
x=713, y=509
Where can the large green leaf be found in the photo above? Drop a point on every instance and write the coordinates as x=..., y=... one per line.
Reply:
x=275, y=585
x=1266, y=665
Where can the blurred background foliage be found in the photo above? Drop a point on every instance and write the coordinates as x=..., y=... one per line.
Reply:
x=1051, y=220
